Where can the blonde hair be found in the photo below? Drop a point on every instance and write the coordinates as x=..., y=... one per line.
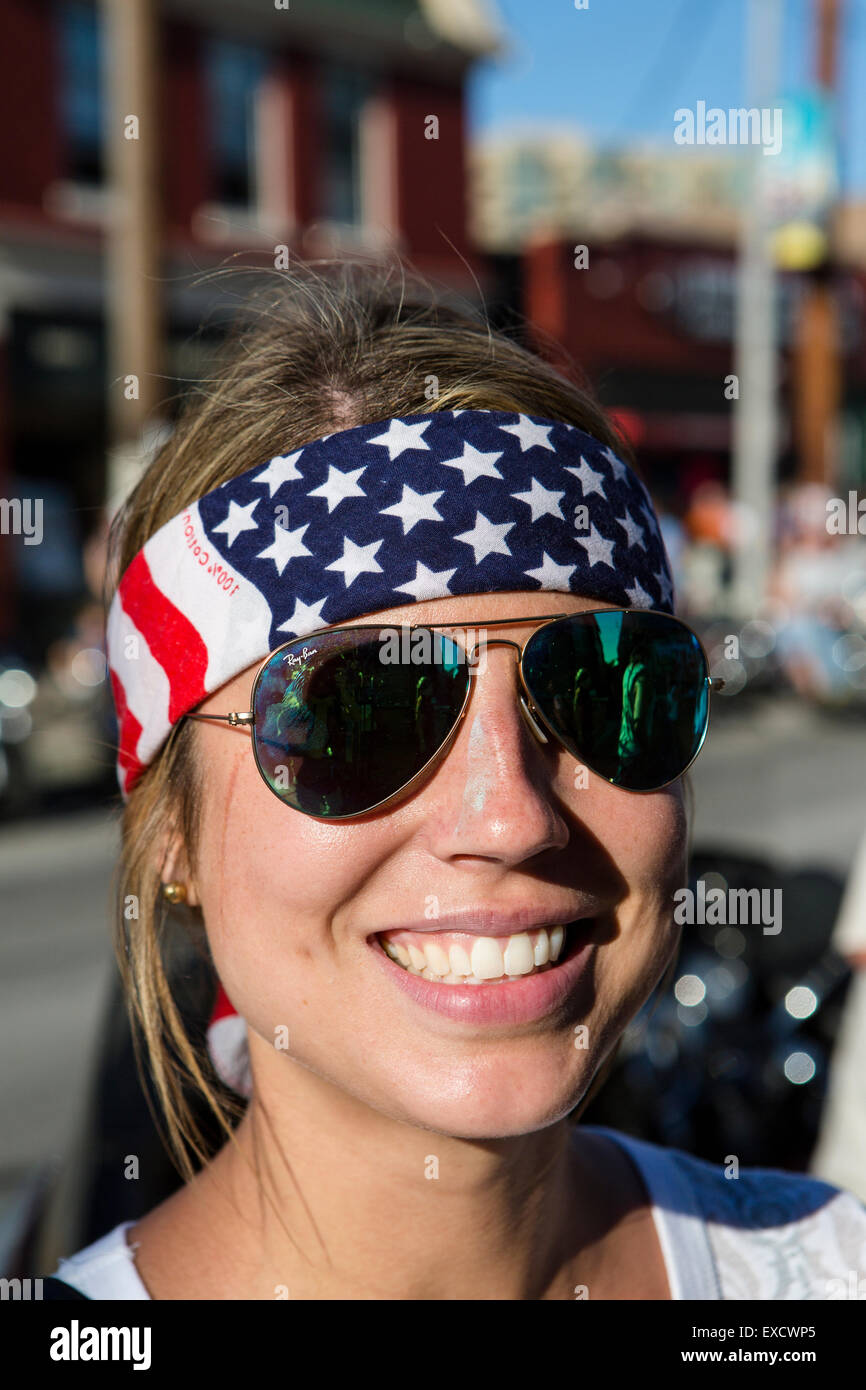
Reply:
x=322, y=348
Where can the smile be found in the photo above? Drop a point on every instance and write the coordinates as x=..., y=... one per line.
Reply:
x=457, y=958
x=509, y=979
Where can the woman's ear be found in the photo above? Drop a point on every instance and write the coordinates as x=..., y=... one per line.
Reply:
x=175, y=868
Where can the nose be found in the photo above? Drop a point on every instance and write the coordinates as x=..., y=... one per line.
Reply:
x=494, y=798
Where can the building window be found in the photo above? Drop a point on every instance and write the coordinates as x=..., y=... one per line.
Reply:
x=345, y=94
x=533, y=189
x=82, y=92
x=235, y=73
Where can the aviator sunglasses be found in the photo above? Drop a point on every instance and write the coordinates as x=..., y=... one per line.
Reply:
x=347, y=720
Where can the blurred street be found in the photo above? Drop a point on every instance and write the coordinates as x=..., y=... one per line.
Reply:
x=776, y=778
x=782, y=779
x=55, y=963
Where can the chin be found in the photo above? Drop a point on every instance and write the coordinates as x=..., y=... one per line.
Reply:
x=497, y=1099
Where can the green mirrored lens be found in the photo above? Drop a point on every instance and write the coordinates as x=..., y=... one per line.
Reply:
x=343, y=720
x=625, y=692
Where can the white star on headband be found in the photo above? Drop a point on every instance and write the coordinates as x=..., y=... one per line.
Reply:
x=542, y=501
x=632, y=530
x=550, y=575
x=355, y=560
x=306, y=615
x=598, y=550
x=239, y=519
x=529, y=434
x=338, y=486
x=619, y=469
x=475, y=464
x=427, y=583
x=287, y=545
x=414, y=507
x=400, y=436
x=638, y=597
x=280, y=470
x=589, y=480
x=486, y=537
x=665, y=585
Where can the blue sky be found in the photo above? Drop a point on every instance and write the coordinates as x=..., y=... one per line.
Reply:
x=620, y=69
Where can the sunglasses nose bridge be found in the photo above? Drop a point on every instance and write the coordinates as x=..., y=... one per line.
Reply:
x=493, y=642
x=472, y=652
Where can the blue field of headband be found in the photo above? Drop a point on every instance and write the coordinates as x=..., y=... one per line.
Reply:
x=453, y=502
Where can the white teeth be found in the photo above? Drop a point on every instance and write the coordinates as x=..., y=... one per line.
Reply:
x=491, y=957
x=437, y=959
x=460, y=962
x=487, y=961
x=518, y=955
x=417, y=958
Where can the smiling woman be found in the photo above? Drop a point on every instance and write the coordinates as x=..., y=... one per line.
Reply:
x=433, y=889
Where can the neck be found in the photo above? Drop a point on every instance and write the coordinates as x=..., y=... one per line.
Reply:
x=327, y=1198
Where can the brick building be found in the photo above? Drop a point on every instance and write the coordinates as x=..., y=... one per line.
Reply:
x=301, y=125
x=626, y=259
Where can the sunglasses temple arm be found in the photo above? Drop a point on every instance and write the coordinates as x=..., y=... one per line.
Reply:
x=233, y=717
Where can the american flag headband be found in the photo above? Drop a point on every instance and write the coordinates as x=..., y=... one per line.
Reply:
x=373, y=517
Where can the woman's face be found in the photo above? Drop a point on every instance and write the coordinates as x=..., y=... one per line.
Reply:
x=508, y=838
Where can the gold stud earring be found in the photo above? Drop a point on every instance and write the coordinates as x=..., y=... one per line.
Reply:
x=174, y=892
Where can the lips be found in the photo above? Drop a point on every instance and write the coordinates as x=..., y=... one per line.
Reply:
x=502, y=999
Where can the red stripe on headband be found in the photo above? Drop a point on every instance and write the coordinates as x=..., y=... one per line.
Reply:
x=129, y=732
x=173, y=640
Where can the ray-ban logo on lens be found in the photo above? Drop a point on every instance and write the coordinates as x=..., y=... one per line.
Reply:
x=419, y=646
x=305, y=654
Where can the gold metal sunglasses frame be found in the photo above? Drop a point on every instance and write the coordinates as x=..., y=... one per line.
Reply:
x=532, y=715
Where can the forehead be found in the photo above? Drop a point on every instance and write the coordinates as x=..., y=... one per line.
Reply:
x=478, y=608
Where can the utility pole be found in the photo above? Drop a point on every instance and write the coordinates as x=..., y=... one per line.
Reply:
x=133, y=296
x=755, y=349
x=816, y=365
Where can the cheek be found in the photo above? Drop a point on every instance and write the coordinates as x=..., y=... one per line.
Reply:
x=647, y=838
x=657, y=827
x=273, y=881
